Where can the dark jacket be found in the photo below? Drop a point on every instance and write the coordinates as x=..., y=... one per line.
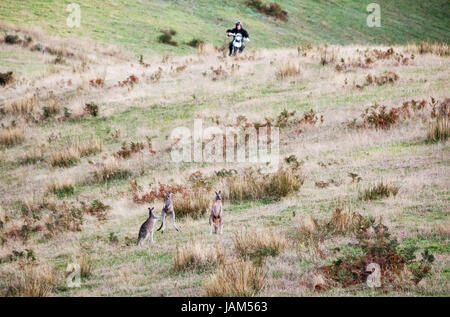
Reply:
x=242, y=31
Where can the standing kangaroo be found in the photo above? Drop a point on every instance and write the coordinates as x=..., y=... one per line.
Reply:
x=167, y=211
x=146, y=229
x=216, y=216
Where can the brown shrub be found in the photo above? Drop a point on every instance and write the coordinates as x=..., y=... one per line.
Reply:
x=386, y=77
x=6, y=78
x=270, y=9
x=97, y=82
x=130, y=81
x=166, y=37
x=125, y=151
x=98, y=209
x=155, y=193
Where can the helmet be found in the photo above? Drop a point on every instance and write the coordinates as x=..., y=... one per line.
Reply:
x=238, y=23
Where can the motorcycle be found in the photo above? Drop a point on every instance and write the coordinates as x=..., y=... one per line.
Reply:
x=237, y=43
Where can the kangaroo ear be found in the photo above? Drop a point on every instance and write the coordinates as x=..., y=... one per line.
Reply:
x=216, y=193
x=220, y=192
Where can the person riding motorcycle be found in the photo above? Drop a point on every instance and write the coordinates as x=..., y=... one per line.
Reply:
x=238, y=29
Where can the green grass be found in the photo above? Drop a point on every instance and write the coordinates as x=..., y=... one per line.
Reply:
x=310, y=21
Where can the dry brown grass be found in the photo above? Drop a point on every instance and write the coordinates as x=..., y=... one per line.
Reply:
x=11, y=136
x=22, y=105
x=88, y=146
x=309, y=230
x=378, y=191
x=86, y=265
x=436, y=48
x=206, y=49
x=61, y=187
x=252, y=186
x=64, y=157
x=238, y=278
x=198, y=256
x=439, y=130
x=345, y=220
x=288, y=70
x=31, y=281
x=257, y=244
x=34, y=155
x=192, y=203
x=111, y=169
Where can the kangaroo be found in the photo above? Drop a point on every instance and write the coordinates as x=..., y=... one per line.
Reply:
x=216, y=216
x=146, y=229
x=167, y=211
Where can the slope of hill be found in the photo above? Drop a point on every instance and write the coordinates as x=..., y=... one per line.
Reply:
x=85, y=149
x=136, y=24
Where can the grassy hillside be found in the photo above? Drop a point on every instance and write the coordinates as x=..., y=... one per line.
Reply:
x=135, y=25
x=85, y=142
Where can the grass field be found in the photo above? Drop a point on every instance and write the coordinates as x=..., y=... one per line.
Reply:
x=310, y=21
x=71, y=183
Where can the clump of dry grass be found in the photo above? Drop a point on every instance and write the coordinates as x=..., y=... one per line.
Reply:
x=327, y=56
x=198, y=256
x=439, y=130
x=34, y=155
x=206, y=49
x=194, y=203
x=345, y=220
x=288, y=70
x=31, y=205
x=64, y=157
x=111, y=169
x=6, y=78
x=61, y=187
x=309, y=231
x=86, y=265
x=24, y=105
x=88, y=146
x=52, y=108
x=258, y=244
x=251, y=185
x=11, y=136
x=239, y=278
x=31, y=281
x=378, y=191
x=436, y=48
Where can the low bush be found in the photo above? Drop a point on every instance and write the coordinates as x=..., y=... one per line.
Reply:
x=166, y=37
